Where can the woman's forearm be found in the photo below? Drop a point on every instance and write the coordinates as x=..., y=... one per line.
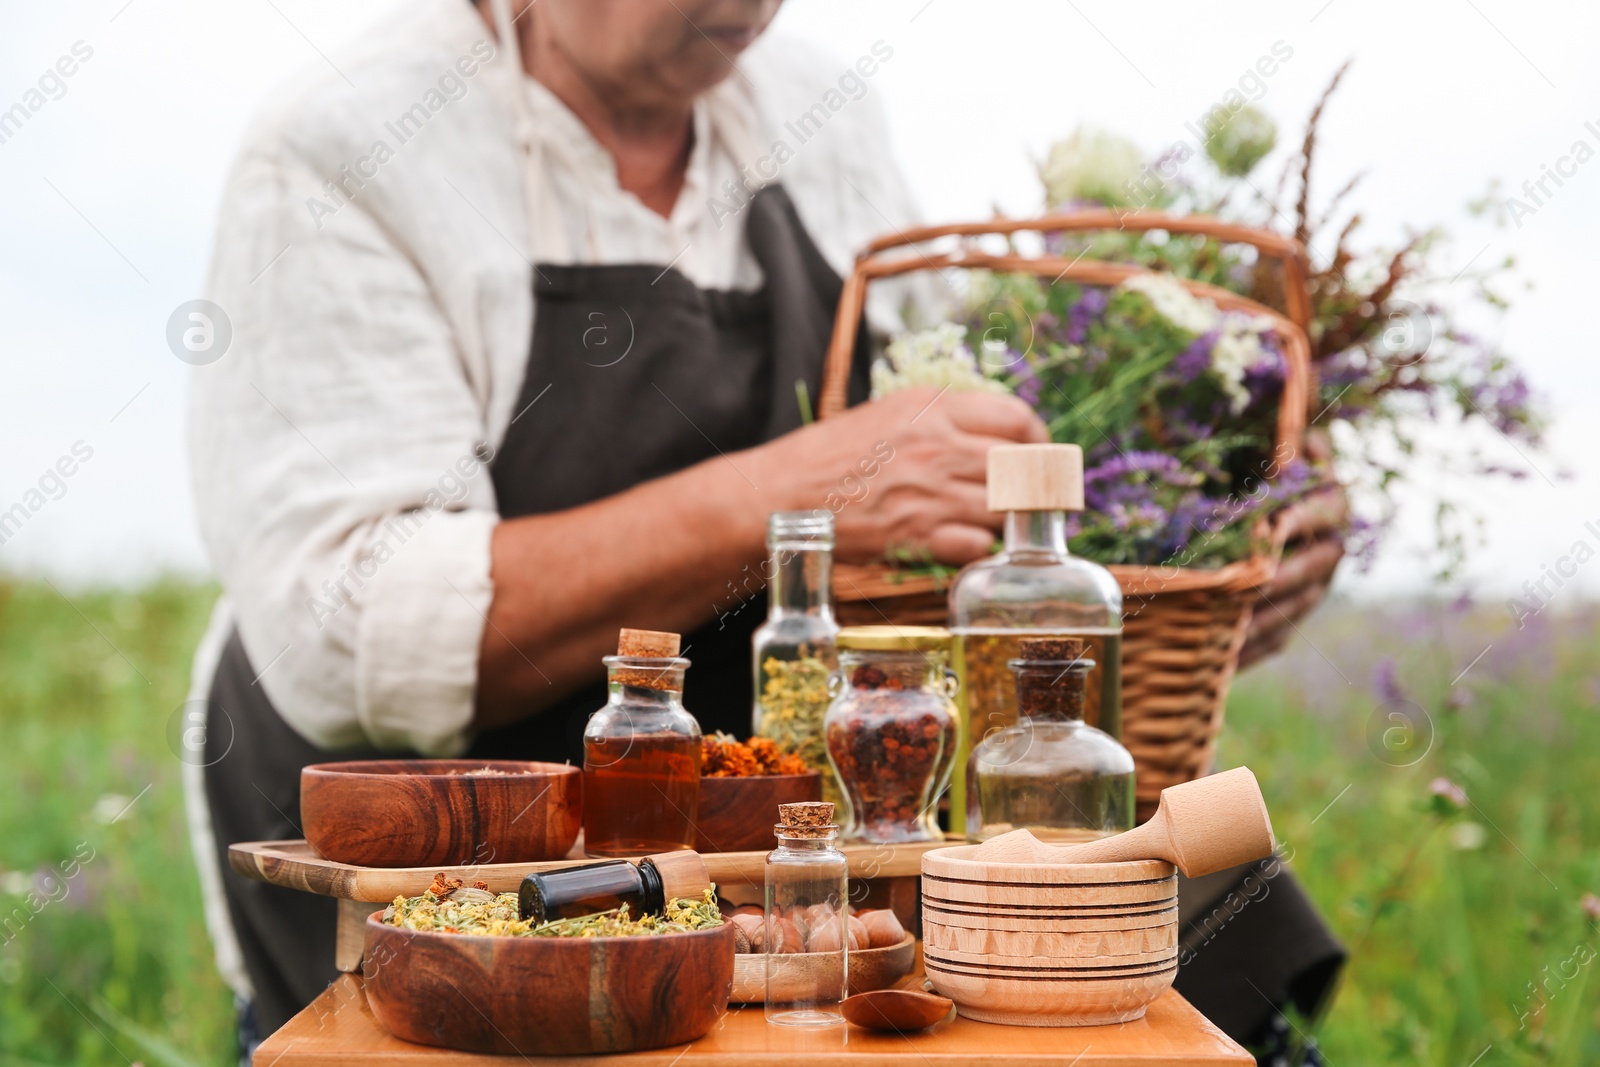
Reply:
x=674, y=553
x=659, y=556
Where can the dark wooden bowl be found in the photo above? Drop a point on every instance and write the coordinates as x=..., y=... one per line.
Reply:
x=547, y=995
x=417, y=813
x=738, y=814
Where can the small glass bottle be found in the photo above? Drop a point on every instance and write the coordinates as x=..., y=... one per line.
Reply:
x=893, y=730
x=645, y=887
x=1034, y=587
x=1050, y=772
x=641, y=754
x=794, y=648
x=805, y=910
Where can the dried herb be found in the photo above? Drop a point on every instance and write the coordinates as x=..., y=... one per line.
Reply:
x=722, y=756
x=892, y=746
x=794, y=700
x=477, y=913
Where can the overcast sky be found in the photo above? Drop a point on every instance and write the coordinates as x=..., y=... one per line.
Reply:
x=110, y=192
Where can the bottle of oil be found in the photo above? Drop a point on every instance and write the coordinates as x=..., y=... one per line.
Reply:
x=1034, y=587
x=641, y=754
x=1050, y=772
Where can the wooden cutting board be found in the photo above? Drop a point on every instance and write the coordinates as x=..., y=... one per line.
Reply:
x=293, y=865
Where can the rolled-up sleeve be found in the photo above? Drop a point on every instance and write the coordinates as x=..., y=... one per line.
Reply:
x=339, y=455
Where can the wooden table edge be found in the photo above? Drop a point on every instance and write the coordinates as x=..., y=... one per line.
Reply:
x=346, y=995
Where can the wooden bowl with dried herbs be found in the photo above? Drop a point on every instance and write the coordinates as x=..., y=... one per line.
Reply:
x=741, y=785
x=460, y=969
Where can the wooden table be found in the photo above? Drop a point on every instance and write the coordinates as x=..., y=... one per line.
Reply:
x=339, y=1029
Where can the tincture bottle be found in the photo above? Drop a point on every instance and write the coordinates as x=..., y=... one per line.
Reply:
x=645, y=887
x=1050, y=772
x=641, y=753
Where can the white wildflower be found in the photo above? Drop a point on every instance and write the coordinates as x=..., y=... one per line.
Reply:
x=109, y=806
x=1238, y=348
x=1175, y=303
x=16, y=883
x=938, y=357
x=1090, y=165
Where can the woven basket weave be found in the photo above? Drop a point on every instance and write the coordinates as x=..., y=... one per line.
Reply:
x=1183, y=627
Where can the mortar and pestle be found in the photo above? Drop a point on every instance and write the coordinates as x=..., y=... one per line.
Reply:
x=1022, y=932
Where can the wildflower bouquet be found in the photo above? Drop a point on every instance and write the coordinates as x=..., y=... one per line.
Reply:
x=1173, y=401
x=1390, y=343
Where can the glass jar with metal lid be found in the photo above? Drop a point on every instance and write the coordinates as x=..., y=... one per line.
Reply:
x=893, y=730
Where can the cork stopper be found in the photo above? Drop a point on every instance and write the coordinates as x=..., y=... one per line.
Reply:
x=683, y=874
x=640, y=645
x=810, y=819
x=651, y=643
x=1036, y=478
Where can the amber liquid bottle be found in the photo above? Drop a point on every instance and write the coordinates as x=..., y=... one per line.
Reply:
x=641, y=754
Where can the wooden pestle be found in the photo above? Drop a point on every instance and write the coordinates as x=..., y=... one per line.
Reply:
x=1202, y=826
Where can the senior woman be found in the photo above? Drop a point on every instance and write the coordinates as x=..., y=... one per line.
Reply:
x=521, y=295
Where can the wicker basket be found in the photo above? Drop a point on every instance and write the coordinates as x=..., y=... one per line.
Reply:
x=1183, y=628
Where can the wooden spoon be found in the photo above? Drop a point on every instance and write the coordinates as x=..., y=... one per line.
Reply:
x=1202, y=826
x=899, y=1010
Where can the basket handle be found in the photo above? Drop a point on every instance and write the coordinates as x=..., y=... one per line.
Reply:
x=872, y=264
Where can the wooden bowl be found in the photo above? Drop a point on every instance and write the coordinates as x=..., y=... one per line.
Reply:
x=547, y=995
x=737, y=814
x=440, y=813
x=868, y=969
x=1030, y=944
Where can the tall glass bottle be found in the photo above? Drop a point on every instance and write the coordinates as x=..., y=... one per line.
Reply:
x=794, y=648
x=1050, y=772
x=641, y=754
x=1034, y=587
x=807, y=891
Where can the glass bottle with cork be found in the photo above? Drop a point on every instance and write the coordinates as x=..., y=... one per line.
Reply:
x=1034, y=587
x=641, y=753
x=1050, y=772
x=794, y=648
x=806, y=903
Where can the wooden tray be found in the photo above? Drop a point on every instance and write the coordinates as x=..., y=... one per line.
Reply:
x=338, y=1030
x=293, y=865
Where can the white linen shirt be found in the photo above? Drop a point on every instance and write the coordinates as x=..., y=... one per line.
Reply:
x=374, y=259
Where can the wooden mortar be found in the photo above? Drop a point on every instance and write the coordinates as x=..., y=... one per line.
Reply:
x=1033, y=944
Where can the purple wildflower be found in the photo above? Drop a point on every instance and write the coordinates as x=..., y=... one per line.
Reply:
x=1196, y=359
x=1086, y=310
x=1386, y=683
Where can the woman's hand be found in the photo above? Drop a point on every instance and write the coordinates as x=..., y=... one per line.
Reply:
x=905, y=472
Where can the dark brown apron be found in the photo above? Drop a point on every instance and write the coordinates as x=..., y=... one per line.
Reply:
x=633, y=373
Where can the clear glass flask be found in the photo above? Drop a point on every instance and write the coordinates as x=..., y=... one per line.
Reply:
x=1034, y=587
x=794, y=648
x=806, y=932
x=1050, y=772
